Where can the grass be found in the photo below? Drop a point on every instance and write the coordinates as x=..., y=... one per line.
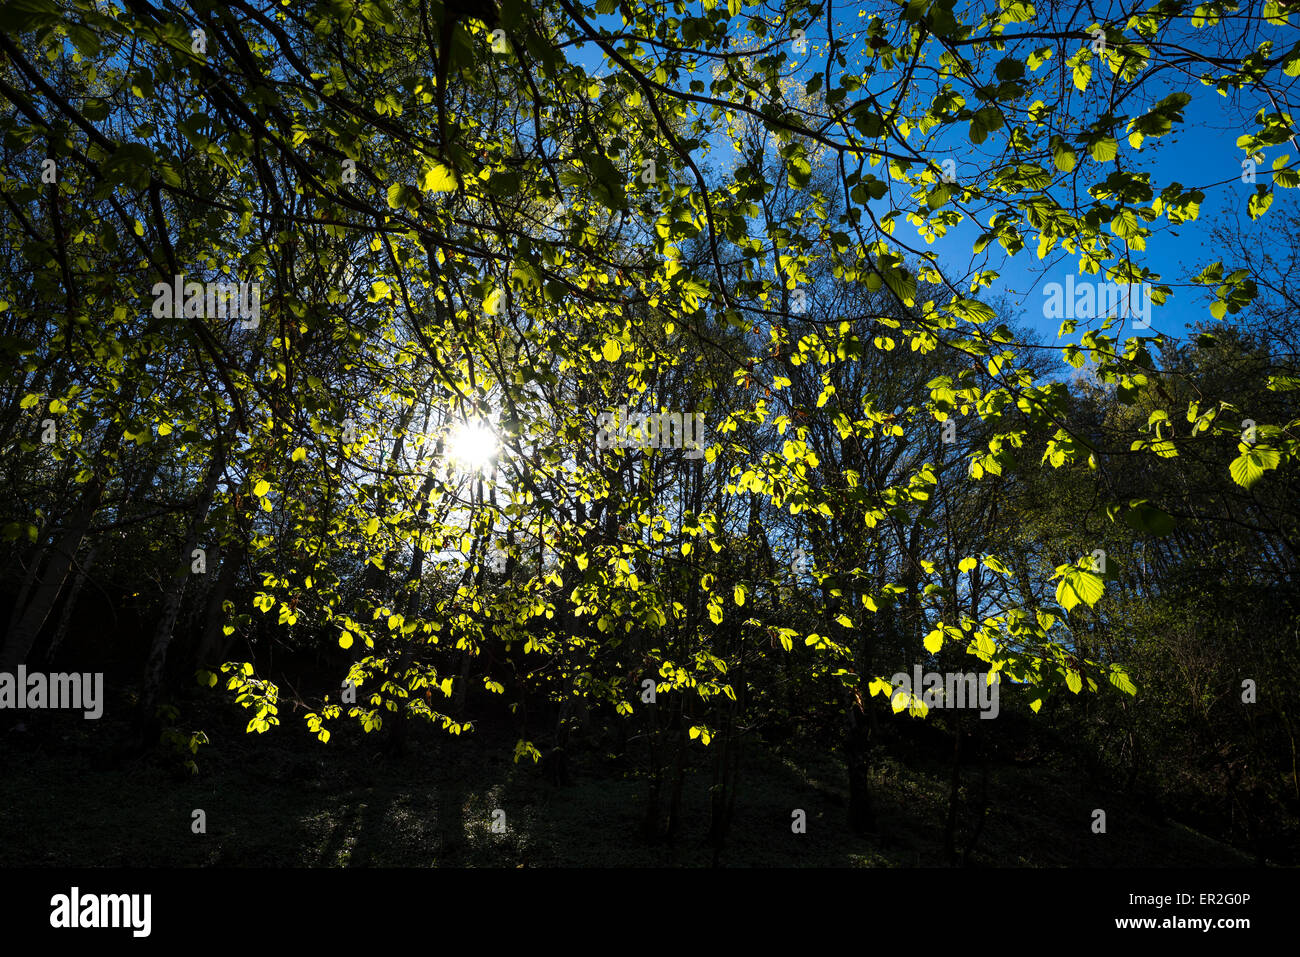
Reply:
x=283, y=799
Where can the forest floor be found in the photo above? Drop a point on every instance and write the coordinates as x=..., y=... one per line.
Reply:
x=283, y=798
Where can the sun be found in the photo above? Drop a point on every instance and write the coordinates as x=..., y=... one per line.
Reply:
x=472, y=446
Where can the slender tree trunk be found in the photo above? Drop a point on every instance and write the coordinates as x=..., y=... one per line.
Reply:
x=22, y=636
x=862, y=814
x=211, y=647
x=655, y=777
x=69, y=603
x=133, y=492
x=726, y=775
x=678, y=773
x=39, y=555
x=954, y=797
x=981, y=815
x=399, y=720
x=27, y=624
x=171, y=606
x=718, y=792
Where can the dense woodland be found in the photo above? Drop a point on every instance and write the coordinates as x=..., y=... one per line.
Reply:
x=389, y=502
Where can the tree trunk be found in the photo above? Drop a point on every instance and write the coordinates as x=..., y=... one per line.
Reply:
x=954, y=797
x=162, y=636
x=211, y=647
x=655, y=778
x=857, y=748
x=678, y=773
x=28, y=624
x=69, y=603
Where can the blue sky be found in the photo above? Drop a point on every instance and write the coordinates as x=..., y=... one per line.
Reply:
x=1200, y=153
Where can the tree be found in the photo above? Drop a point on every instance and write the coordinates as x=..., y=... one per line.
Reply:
x=454, y=225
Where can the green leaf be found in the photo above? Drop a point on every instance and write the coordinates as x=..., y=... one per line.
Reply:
x=403, y=196
x=23, y=15
x=994, y=563
x=129, y=165
x=1250, y=466
x=504, y=184
x=1077, y=586
x=437, y=179
x=1104, y=150
x=1120, y=679
x=1145, y=517
x=934, y=641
